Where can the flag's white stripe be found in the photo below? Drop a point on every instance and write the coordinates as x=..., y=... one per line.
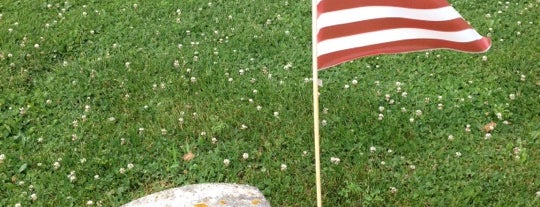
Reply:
x=377, y=12
x=391, y=35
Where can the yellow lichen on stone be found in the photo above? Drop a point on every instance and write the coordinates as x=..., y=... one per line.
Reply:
x=256, y=202
x=200, y=205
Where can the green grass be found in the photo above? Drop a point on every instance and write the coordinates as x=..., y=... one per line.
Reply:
x=94, y=87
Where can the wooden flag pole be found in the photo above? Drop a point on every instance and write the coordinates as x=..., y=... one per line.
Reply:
x=316, y=101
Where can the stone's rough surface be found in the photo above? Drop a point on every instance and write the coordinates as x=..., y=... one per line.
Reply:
x=204, y=195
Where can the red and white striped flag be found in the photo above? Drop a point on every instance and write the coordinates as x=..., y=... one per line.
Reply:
x=350, y=29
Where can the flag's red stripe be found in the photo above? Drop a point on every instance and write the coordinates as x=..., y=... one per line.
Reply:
x=335, y=5
x=331, y=59
x=389, y=23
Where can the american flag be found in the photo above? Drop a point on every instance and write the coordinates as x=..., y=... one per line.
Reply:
x=350, y=29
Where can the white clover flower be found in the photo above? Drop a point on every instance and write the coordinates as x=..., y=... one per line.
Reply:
x=193, y=79
x=283, y=167
x=226, y=162
x=499, y=116
x=488, y=136
x=381, y=116
x=18, y=205
x=127, y=64
x=517, y=150
x=141, y=130
x=22, y=111
x=412, y=167
x=411, y=119
x=381, y=108
x=538, y=194
x=122, y=170
x=82, y=160
x=72, y=177
x=354, y=82
x=458, y=154
x=163, y=132
x=404, y=94
x=335, y=160
x=56, y=165
x=130, y=166
x=440, y=106
x=245, y=156
x=324, y=122
x=346, y=86
x=288, y=65
x=512, y=96
x=96, y=177
x=304, y=153
x=393, y=190
x=451, y=137
x=89, y=202
x=2, y=158
x=243, y=126
x=372, y=149
x=33, y=197
x=276, y=114
x=214, y=140
x=418, y=113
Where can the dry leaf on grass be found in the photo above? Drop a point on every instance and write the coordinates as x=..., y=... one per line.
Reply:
x=188, y=156
x=490, y=126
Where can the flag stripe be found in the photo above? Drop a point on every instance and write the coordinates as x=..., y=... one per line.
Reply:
x=334, y=5
x=391, y=35
x=389, y=23
x=403, y=46
x=375, y=12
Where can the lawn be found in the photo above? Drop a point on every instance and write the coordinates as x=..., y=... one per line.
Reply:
x=105, y=102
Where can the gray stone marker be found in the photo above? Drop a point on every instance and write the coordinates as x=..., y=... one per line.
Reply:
x=204, y=195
